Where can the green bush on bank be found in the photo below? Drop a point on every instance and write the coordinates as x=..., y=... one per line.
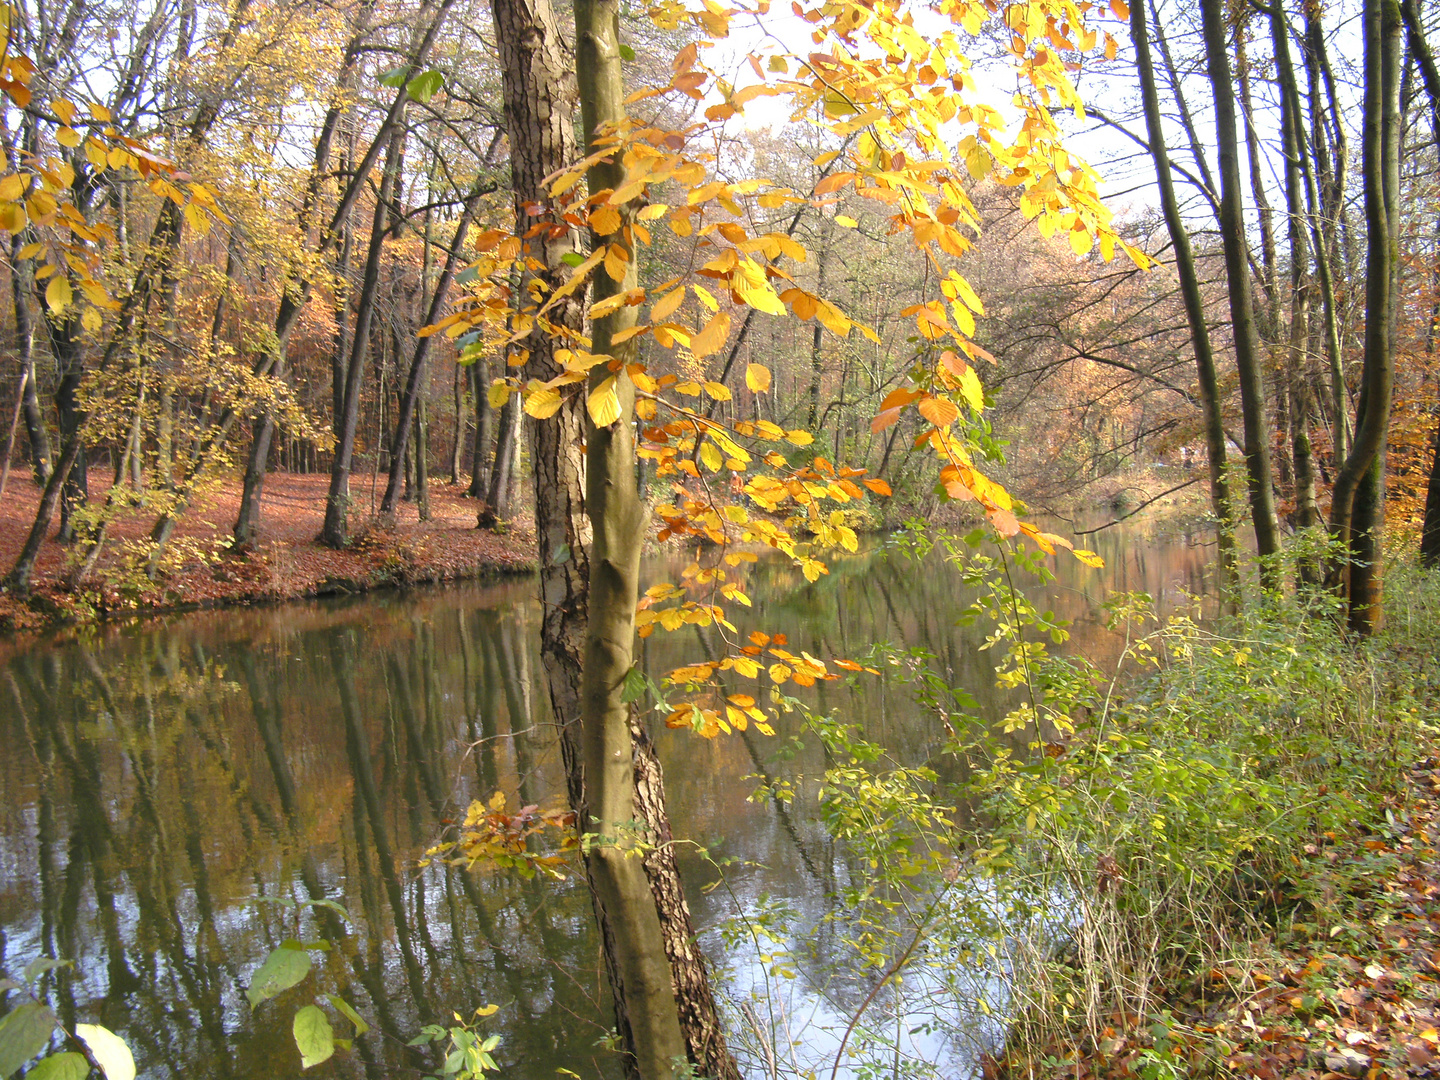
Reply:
x=1165, y=826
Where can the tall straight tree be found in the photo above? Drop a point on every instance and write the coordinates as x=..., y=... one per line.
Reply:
x=1357, y=510
x=1237, y=273
x=664, y=1006
x=1190, y=292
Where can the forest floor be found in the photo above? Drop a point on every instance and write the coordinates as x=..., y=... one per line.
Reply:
x=285, y=564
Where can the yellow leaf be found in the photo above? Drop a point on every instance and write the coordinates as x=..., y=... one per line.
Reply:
x=12, y=187
x=67, y=137
x=96, y=154
x=718, y=391
x=938, y=411
x=713, y=336
x=617, y=259
x=91, y=320
x=711, y=456
x=605, y=220
x=1080, y=240
x=831, y=318
x=800, y=437
x=99, y=112
x=1089, y=558
x=65, y=110
x=543, y=402
x=29, y=251
x=970, y=389
x=487, y=1010
x=604, y=403
x=58, y=293
x=846, y=221
x=757, y=378
x=498, y=394
x=666, y=305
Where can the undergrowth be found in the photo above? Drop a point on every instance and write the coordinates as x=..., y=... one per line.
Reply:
x=1123, y=840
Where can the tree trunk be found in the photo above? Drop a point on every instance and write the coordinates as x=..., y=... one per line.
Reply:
x=1430, y=533
x=480, y=445
x=422, y=349
x=22, y=284
x=1242, y=311
x=497, y=499
x=1358, y=499
x=1194, y=305
x=335, y=531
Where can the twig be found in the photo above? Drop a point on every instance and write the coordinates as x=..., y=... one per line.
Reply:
x=1147, y=502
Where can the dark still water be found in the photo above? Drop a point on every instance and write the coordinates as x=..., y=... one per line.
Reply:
x=158, y=781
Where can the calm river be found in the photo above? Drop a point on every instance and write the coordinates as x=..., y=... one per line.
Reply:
x=158, y=780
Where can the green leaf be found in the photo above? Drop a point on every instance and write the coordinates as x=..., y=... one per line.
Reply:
x=395, y=77
x=23, y=1034
x=634, y=688
x=339, y=909
x=349, y=1013
x=572, y=258
x=313, y=1035
x=424, y=86
x=627, y=53
x=561, y=555
x=70, y=1066
x=40, y=966
x=282, y=969
x=467, y=275
x=116, y=1061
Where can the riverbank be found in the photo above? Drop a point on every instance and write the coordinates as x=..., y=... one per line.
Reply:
x=1250, y=842
x=286, y=563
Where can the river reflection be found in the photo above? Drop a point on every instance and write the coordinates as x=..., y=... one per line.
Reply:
x=157, y=780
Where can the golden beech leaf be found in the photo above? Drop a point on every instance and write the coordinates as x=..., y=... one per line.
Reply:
x=617, y=259
x=605, y=220
x=91, y=320
x=12, y=187
x=718, y=391
x=939, y=411
x=666, y=305
x=58, y=293
x=712, y=457
x=67, y=137
x=800, y=437
x=498, y=394
x=971, y=390
x=880, y=487
x=1120, y=10
x=713, y=336
x=543, y=402
x=604, y=402
x=757, y=378
x=1089, y=558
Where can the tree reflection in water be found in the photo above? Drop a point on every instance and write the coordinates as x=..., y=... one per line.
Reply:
x=158, y=780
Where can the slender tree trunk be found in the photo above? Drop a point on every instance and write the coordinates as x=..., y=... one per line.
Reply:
x=480, y=445
x=646, y=1006
x=14, y=426
x=1430, y=533
x=22, y=284
x=1292, y=134
x=335, y=531
x=1242, y=311
x=422, y=347
x=1358, y=499
x=507, y=436
x=457, y=446
x=1194, y=304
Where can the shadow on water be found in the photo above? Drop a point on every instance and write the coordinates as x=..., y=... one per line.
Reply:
x=156, y=781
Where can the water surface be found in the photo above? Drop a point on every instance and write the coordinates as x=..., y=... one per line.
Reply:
x=158, y=780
